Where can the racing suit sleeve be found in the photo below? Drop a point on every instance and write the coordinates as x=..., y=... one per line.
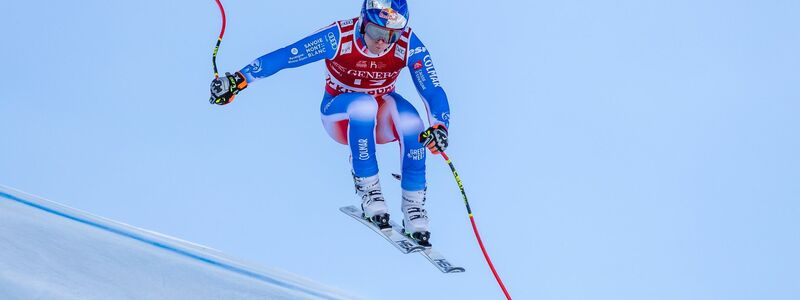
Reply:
x=317, y=46
x=427, y=83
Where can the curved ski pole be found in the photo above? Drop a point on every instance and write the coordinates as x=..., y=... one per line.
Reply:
x=474, y=227
x=219, y=40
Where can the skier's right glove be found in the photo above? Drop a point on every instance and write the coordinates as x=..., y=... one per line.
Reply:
x=224, y=89
x=435, y=138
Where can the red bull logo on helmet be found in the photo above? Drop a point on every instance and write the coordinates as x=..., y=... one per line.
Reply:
x=382, y=9
x=389, y=14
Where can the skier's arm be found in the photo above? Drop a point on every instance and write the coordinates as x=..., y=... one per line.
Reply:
x=426, y=80
x=317, y=46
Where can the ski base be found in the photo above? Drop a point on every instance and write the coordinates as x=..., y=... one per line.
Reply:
x=392, y=235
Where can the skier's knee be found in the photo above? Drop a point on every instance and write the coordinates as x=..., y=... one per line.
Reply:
x=363, y=107
x=410, y=124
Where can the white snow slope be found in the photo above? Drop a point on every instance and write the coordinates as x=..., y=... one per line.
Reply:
x=49, y=251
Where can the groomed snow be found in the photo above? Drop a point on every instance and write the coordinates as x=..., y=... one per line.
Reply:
x=49, y=251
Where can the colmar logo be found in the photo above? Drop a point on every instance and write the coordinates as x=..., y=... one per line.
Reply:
x=363, y=149
x=431, y=71
x=418, y=65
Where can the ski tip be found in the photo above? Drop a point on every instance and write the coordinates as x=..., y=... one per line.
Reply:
x=349, y=209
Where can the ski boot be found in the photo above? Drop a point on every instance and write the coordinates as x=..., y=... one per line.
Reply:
x=415, y=222
x=373, y=205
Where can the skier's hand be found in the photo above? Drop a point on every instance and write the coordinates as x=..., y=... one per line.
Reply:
x=224, y=89
x=435, y=138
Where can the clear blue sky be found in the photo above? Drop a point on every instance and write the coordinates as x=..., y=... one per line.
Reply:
x=611, y=150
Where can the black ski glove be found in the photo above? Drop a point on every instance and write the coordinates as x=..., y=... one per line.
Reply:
x=435, y=138
x=224, y=89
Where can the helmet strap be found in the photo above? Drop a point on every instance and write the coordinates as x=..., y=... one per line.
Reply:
x=362, y=27
x=361, y=31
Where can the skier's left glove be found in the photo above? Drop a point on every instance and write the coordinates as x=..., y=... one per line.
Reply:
x=224, y=89
x=435, y=138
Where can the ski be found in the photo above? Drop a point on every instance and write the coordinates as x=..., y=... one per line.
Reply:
x=406, y=245
x=434, y=257
x=394, y=237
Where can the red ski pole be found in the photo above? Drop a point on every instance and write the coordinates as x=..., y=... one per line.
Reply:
x=474, y=227
x=219, y=40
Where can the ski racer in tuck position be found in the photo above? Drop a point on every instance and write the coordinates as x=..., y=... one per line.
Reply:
x=363, y=57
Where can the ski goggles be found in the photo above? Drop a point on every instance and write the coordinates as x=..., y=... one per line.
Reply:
x=377, y=32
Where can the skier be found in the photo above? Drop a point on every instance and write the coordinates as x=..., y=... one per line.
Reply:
x=363, y=57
